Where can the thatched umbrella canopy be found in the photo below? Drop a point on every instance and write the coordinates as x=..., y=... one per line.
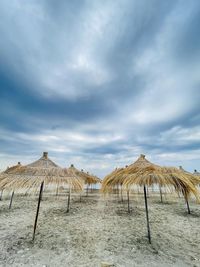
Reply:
x=87, y=178
x=43, y=172
x=10, y=169
x=197, y=174
x=29, y=177
x=118, y=176
x=112, y=180
x=194, y=177
x=144, y=173
x=113, y=183
x=7, y=171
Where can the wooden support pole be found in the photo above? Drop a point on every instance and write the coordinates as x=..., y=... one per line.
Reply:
x=68, y=200
x=11, y=199
x=128, y=201
x=38, y=208
x=147, y=215
x=161, y=197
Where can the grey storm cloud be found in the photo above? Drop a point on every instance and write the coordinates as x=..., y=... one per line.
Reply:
x=98, y=82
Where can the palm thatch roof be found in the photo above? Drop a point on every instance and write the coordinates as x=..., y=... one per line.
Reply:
x=118, y=176
x=29, y=177
x=143, y=172
x=112, y=180
x=10, y=169
x=193, y=177
x=87, y=178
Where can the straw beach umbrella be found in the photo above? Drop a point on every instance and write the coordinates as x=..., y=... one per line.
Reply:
x=86, y=177
x=43, y=172
x=29, y=177
x=197, y=174
x=8, y=170
x=145, y=173
x=113, y=181
x=117, y=177
x=2, y=175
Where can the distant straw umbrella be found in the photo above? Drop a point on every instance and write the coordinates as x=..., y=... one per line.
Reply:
x=43, y=172
x=10, y=169
x=194, y=177
x=196, y=173
x=2, y=175
x=86, y=177
x=113, y=181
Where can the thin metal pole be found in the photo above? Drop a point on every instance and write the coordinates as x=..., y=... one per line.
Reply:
x=161, y=198
x=38, y=208
x=187, y=203
x=1, y=195
x=128, y=201
x=147, y=215
x=68, y=200
x=11, y=199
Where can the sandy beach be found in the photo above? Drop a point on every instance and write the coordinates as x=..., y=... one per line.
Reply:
x=99, y=229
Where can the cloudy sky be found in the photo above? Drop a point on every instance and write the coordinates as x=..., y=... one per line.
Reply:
x=96, y=83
